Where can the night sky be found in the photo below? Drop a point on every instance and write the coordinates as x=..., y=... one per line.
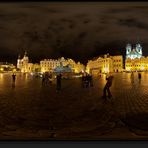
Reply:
x=79, y=31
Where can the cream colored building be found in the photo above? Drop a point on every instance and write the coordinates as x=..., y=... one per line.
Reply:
x=117, y=63
x=48, y=65
x=105, y=64
x=137, y=64
x=25, y=66
x=79, y=67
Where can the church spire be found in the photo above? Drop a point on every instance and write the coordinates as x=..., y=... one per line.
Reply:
x=19, y=57
x=25, y=53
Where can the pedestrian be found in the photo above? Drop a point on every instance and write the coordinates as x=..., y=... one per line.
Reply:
x=87, y=80
x=13, y=79
x=43, y=79
x=90, y=80
x=132, y=77
x=83, y=80
x=46, y=78
x=59, y=77
x=50, y=77
x=107, y=87
x=139, y=77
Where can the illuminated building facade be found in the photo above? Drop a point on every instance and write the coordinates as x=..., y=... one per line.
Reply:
x=24, y=65
x=134, y=59
x=133, y=53
x=4, y=66
x=48, y=65
x=105, y=64
x=137, y=64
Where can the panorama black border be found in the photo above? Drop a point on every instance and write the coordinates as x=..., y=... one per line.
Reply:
x=74, y=143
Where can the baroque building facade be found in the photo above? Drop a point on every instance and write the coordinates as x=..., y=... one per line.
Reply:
x=25, y=66
x=48, y=65
x=105, y=64
x=134, y=60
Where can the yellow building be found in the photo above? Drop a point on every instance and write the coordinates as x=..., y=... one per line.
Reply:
x=117, y=63
x=78, y=67
x=4, y=66
x=137, y=64
x=24, y=65
x=134, y=59
x=105, y=64
x=48, y=65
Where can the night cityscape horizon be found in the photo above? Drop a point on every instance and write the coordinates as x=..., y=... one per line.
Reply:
x=74, y=71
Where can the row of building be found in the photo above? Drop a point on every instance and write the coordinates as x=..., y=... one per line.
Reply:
x=105, y=64
x=134, y=61
x=49, y=65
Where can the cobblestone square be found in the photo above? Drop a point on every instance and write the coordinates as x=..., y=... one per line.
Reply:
x=30, y=111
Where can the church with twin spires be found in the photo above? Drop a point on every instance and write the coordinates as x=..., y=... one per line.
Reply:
x=135, y=61
x=135, y=52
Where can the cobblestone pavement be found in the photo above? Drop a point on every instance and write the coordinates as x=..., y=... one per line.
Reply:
x=32, y=111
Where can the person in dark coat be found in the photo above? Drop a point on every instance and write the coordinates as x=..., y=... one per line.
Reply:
x=90, y=80
x=13, y=79
x=107, y=87
x=139, y=77
x=59, y=77
x=83, y=80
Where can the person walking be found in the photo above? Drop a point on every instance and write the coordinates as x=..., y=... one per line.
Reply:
x=90, y=80
x=59, y=77
x=139, y=77
x=132, y=77
x=13, y=79
x=107, y=87
x=83, y=80
x=43, y=79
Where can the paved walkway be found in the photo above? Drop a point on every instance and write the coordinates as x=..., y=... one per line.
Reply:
x=33, y=111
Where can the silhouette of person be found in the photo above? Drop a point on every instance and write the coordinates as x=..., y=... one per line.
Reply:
x=139, y=77
x=87, y=80
x=132, y=77
x=90, y=80
x=59, y=77
x=83, y=80
x=43, y=79
x=13, y=79
x=107, y=87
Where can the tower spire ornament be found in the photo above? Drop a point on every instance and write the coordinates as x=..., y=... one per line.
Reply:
x=25, y=53
x=19, y=56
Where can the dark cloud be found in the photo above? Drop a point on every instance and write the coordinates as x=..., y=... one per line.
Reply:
x=78, y=31
x=133, y=23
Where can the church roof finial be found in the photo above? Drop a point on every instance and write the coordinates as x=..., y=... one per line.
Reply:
x=19, y=56
x=25, y=53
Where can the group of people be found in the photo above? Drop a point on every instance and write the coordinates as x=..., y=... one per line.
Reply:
x=132, y=77
x=87, y=80
x=46, y=78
